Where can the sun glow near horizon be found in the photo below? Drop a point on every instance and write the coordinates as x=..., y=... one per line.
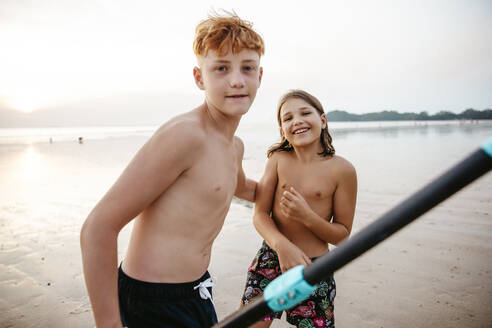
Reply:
x=24, y=105
x=26, y=101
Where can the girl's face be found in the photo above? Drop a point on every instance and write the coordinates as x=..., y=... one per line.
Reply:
x=301, y=123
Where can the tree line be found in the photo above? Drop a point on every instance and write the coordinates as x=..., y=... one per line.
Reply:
x=468, y=114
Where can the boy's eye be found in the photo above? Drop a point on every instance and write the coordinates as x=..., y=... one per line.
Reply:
x=287, y=119
x=221, y=68
x=306, y=113
x=248, y=68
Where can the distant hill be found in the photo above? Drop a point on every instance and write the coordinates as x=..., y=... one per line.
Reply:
x=150, y=109
x=469, y=114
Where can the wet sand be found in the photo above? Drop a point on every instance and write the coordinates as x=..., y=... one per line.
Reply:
x=435, y=273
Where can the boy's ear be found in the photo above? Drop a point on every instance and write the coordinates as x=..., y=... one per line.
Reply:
x=261, y=74
x=197, y=75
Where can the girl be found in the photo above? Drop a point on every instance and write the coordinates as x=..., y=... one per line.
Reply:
x=304, y=201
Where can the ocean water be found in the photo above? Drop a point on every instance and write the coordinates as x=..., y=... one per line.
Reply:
x=390, y=157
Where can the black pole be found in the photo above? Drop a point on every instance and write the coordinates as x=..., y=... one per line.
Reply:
x=472, y=167
x=247, y=315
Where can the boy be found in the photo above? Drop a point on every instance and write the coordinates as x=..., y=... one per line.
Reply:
x=179, y=188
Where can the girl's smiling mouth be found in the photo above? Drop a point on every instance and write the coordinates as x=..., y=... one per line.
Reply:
x=301, y=130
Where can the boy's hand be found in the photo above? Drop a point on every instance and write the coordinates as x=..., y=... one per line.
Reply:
x=289, y=256
x=294, y=206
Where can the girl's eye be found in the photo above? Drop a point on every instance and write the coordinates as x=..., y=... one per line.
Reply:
x=221, y=68
x=287, y=119
x=306, y=113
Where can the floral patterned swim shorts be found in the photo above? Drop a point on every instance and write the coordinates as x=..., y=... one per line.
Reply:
x=314, y=312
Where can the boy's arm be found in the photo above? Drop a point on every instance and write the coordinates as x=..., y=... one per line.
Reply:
x=153, y=169
x=344, y=198
x=289, y=254
x=245, y=188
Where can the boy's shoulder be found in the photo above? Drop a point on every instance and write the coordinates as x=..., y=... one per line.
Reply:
x=186, y=127
x=238, y=142
x=181, y=139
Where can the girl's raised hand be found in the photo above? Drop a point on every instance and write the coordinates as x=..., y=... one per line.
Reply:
x=293, y=205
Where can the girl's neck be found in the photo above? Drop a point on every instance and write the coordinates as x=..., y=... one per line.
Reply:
x=308, y=153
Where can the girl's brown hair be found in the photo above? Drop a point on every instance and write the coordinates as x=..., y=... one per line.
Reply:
x=325, y=137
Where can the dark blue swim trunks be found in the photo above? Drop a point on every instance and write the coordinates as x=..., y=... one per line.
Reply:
x=165, y=305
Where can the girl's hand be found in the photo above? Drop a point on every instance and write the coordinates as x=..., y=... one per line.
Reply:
x=289, y=256
x=294, y=206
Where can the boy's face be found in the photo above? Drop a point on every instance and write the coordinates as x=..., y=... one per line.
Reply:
x=301, y=122
x=231, y=81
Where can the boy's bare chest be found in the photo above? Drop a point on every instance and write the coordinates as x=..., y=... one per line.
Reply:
x=215, y=175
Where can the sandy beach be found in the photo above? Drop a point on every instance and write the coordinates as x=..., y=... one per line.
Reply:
x=435, y=273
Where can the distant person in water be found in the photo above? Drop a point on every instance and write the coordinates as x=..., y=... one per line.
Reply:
x=304, y=201
x=178, y=188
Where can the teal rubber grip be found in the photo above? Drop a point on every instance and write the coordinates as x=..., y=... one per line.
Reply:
x=487, y=147
x=288, y=290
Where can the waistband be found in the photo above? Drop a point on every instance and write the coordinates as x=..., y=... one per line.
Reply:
x=159, y=290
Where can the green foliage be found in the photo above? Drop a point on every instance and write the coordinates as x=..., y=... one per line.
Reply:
x=469, y=114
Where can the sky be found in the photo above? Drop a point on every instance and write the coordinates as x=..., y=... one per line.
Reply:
x=130, y=62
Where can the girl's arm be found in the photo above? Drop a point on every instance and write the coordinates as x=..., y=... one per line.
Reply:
x=344, y=198
x=289, y=254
